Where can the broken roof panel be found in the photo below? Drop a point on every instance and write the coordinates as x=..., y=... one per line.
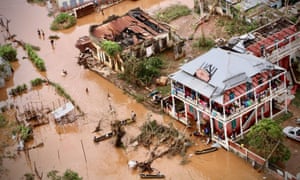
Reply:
x=63, y=110
x=268, y=34
x=135, y=22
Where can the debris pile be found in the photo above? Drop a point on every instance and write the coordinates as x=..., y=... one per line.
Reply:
x=166, y=140
x=86, y=59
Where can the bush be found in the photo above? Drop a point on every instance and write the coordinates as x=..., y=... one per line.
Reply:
x=63, y=21
x=149, y=68
x=204, y=43
x=24, y=132
x=8, y=53
x=18, y=90
x=68, y=175
x=2, y=120
x=36, y=82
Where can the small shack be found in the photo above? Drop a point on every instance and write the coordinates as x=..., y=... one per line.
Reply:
x=63, y=111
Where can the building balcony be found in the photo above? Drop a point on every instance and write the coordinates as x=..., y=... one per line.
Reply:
x=241, y=104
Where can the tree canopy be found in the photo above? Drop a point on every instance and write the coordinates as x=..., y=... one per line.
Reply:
x=264, y=136
x=139, y=71
x=110, y=47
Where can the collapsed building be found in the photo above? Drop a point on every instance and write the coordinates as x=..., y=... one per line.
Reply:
x=277, y=42
x=138, y=34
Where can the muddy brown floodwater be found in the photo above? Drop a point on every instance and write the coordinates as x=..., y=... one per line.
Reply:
x=64, y=146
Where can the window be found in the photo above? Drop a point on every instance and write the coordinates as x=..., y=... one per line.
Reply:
x=220, y=124
x=191, y=109
x=231, y=95
x=233, y=124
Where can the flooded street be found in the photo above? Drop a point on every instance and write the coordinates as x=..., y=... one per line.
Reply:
x=71, y=146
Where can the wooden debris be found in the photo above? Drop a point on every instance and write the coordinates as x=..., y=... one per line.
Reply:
x=167, y=140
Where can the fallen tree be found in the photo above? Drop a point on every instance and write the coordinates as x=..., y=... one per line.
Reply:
x=166, y=141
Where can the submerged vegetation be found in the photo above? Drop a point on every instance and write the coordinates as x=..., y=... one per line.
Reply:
x=63, y=21
x=8, y=53
x=172, y=12
x=36, y=82
x=68, y=175
x=37, y=61
x=24, y=132
x=18, y=90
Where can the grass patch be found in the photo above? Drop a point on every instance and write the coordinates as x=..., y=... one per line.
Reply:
x=172, y=12
x=296, y=100
x=281, y=118
x=164, y=90
x=3, y=121
x=139, y=98
x=204, y=43
x=235, y=26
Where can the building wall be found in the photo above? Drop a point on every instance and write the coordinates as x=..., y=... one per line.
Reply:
x=237, y=122
x=70, y=4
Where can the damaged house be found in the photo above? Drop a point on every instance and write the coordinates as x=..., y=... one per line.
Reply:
x=138, y=34
x=278, y=42
x=212, y=92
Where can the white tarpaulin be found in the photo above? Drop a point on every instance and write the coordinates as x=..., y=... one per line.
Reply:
x=63, y=110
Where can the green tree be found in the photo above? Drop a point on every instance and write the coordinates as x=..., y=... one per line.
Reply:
x=8, y=53
x=112, y=49
x=148, y=69
x=141, y=71
x=264, y=136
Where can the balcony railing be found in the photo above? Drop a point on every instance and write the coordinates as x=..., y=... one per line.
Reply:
x=242, y=105
x=281, y=52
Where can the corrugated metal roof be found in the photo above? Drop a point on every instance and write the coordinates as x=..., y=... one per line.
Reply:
x=193, y=82
x=228, y=69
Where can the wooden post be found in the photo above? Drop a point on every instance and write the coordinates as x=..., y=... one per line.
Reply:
x=83, y=150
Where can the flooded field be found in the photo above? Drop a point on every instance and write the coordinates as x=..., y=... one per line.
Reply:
x=71, y=146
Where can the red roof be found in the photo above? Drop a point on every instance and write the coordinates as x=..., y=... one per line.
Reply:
x=114, y=28
x=270, y=40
